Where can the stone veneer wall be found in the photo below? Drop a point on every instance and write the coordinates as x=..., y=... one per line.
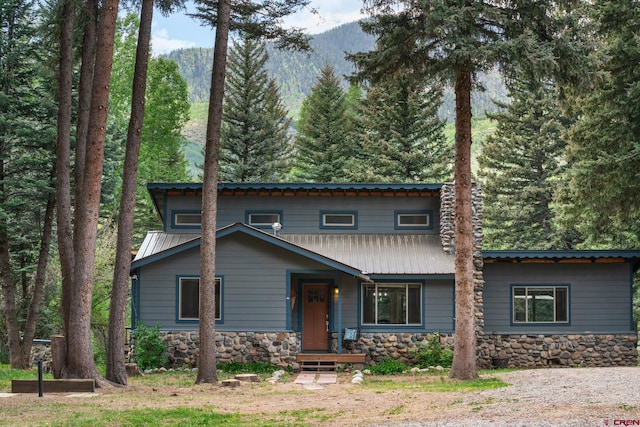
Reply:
x=534, y=351
x=277, y=348
x=447, y=236
x=377, y=346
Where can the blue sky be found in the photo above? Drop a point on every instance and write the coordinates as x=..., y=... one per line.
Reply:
x=180, y=31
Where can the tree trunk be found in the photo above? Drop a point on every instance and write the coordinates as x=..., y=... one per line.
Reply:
x=207, y=360
x=39, y=280
x=84, y=92
x=80, y=362
x=116, y=369
x=63, y=158
x=464, y=356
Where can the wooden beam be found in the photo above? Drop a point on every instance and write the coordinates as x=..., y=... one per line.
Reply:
x=54, y=386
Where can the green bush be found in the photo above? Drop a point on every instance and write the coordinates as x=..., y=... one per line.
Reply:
x=150, y=351
x=388, y=366
x=432, y=353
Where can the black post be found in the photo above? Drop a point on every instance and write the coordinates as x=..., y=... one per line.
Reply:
x=40, y=385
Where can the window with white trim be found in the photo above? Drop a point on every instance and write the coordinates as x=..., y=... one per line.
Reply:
x=338, y=220
x=391, y=304
x=540, y=304
x=413, y=220
x=189, y=298
x=187, y=219
x=263, y=219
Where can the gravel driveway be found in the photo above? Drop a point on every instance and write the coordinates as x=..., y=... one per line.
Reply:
x=550, y=397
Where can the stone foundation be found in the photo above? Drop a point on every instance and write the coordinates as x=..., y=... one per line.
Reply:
x=536, y=351
x=274, y=348
x=377, y=346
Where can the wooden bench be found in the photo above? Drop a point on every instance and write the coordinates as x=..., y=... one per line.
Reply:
x=54, y=386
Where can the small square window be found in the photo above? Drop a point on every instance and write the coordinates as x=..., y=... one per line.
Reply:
x=343, y=220
x=413, y=220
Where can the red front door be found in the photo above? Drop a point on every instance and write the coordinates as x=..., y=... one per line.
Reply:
x=315, y=316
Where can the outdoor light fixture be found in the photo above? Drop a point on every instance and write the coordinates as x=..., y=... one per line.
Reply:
x=276, y=227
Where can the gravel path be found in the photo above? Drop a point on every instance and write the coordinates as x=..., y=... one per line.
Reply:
x=550, y=397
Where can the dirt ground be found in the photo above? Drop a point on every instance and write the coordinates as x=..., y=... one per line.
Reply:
x=546, y=397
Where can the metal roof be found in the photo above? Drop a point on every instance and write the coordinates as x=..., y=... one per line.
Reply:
x=631, y=255
x=381, y=254
x=364, y=254
x=159, y=241
x=296, y=186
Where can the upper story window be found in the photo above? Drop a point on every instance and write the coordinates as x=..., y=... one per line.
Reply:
x=262, y=219
x=187, y=219
x=413, y=220
x=540, y=304
x=189, y=299
x=391, y=304
x=346, y=220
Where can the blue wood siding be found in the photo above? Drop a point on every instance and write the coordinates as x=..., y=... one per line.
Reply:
x=255, y=285
x=440, y=305
x=302, y=215
x=599, y=296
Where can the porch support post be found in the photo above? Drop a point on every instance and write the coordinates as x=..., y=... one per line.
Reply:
x=339, y=317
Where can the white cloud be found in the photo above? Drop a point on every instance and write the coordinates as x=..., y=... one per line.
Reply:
x=321, y=16
x=161, y=42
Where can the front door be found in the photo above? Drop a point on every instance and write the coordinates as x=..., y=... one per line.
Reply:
x=315, y=316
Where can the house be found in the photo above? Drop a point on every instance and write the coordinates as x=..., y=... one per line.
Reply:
x=368, y=270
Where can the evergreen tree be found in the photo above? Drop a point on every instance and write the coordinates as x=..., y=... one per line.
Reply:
x=601, y=196
x=454, y=41
x=519, y=167
x=255, y=141
x=400, y=135
x=323, y=150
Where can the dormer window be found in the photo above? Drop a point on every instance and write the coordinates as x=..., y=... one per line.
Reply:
x=339, y=220
x=262, y=219
x=187, y=219
x=413, y=220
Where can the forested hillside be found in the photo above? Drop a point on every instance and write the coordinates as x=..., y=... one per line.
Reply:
x=296, y=72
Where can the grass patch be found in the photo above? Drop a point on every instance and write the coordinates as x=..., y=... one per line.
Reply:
x=433, y=384
x=7, y=374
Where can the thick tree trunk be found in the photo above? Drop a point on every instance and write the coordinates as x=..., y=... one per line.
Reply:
x=464, y=356
x=80, y=362
x=207, y=361
x=63, y=158
x=116, y=369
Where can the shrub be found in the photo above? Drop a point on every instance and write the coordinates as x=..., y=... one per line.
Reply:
x=388, y=366
x=150, y=351
x=432, y=353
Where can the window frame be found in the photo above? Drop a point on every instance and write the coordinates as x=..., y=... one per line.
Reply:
x=219, y=299
x=393, y=284
x=249, y=213
x=176, y=224
x=398, y=213
x=527, y=288
x=351, y=226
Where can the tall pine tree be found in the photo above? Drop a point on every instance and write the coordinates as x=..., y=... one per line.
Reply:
x=400, y=135
x=323, y=145
x=255, y=141
x=601, y=196
x=519, y=166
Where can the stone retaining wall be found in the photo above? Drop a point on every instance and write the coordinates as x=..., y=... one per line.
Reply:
x=534, y=351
